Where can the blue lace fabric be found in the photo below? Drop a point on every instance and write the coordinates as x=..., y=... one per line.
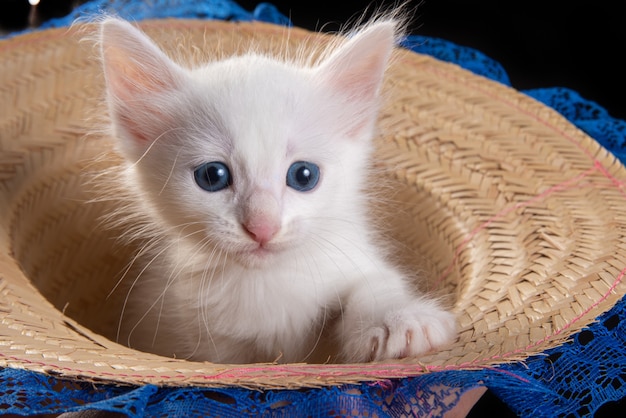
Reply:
x=574, y=379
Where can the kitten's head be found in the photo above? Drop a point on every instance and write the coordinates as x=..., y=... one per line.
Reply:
x=250, y=155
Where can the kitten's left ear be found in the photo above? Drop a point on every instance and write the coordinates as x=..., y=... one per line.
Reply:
x=357, y=67
x=139, y=77
x=133, y=63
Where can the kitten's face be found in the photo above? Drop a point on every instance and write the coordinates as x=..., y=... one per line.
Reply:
x=256, y=163
x=248, y=158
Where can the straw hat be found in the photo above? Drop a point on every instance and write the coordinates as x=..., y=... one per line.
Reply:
x=512, y=211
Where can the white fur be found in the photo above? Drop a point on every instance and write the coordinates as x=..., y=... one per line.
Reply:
x=205, y=289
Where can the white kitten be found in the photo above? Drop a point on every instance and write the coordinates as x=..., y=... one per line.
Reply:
x=246, y=178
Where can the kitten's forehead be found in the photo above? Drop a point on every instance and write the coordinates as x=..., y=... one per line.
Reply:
x=254, y=75
x=261, y=102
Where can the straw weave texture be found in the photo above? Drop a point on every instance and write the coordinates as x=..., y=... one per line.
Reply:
x=511, y=211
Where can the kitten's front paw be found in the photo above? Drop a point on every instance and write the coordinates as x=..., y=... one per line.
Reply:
x=407, y=332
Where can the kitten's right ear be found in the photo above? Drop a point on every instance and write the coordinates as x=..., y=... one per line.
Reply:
x=355, y=71
x=136, y=72
x=356, y=68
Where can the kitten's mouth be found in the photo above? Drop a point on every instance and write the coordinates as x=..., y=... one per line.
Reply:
x=257, y=255
x=261, y=251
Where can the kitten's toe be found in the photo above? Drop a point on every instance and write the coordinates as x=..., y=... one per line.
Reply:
x=376, y=344
x=414, y=331
x=368, y=346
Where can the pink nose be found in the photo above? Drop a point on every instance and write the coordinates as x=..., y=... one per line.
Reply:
x=261, y=232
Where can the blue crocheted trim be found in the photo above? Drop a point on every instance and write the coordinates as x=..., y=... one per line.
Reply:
x=468, y=58
x=574, y=379
x=157, y=9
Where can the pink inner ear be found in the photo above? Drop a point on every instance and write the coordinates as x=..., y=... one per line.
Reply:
x=136, y=113
x=362, y=82
x=135, y=96
x=357, y=67
x=126, y=77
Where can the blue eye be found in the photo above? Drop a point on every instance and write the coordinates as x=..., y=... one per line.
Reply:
x=213, y=176
x=303, y=176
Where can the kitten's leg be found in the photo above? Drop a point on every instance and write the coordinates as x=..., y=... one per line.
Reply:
x=383, y=319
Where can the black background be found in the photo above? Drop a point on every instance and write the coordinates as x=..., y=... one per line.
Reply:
x=549, y=43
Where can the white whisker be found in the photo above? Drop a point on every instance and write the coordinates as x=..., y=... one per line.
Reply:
x=153, y=143
x=169, y=176
x=150, y=245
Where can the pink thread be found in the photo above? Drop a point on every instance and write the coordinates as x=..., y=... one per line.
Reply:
x=619, y=185
x=556, y=188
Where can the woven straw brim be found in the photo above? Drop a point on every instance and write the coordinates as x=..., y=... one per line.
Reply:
x=512, y=211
